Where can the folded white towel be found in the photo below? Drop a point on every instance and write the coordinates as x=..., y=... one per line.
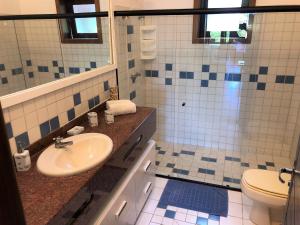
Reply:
x=120, y=107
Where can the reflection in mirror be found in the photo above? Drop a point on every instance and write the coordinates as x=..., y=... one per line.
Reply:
x=33, y=52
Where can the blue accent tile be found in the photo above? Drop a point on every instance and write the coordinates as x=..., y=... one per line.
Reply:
x=77, y=99
x=45, y=128
x=93, y=64
x=182, y=75
x=201, y=221
x=132, y=95
x=206, y=171
x=2, y=67
x=212, y=76
x=261, y=86
x=4, y=80
x=170, y=165
x=170, y=214
x=87, y=69
x=233, y=76
x=22, y=139
x=234, y=159
x=97, y=100
x=91, y=103
x=131, y=64
x=54, y=123
x=71, y=114
x=289, y=79
x=30, y=74
x=231, y=180
x=16, y=71
x=74, y=70
x=168, y=81
x=187, y=152
x=9, y=130
x=129, y=47
x=263, y=70
x=190, y=75
x=175, y=154
x=253, y=78
x=28, y=63
x=157, y=163
x=54, y=63
x=244, y=164
x=130, y=29
x=106, y=85
x=169, y=67
x=43, y=69
x=262, y=167
x=205, y=68
x=61, y=69
x=181, y=171
x=161, y=152
x=147, y=73
x=204, y=83
x=56, y=76
x=154, y=73
x=208, y=159
x=270, y=164
x=214, y=217
x=279, y=79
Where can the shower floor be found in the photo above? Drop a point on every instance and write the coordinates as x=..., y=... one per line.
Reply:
x=211, y=166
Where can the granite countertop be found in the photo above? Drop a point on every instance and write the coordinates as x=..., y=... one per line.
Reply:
x=43, y=197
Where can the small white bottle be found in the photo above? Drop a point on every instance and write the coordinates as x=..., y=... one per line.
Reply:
x=22, y=158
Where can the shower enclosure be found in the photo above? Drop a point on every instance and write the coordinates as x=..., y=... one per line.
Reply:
x=226, y=100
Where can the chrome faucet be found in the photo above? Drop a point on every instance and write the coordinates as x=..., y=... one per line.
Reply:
x=59, y=142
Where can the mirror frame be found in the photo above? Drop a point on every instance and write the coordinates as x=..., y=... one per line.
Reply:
x=34, y=92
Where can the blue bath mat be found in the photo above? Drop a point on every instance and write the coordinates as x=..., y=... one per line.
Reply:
x=198, y=197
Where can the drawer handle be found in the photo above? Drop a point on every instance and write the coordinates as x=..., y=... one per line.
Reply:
x=149, y=185
x=121, y=209
x=148, y=164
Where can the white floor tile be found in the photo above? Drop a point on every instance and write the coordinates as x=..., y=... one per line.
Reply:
x=182, y=223
x=180, y=216
x=246, y=200
x=247, y=222
x=167, y=221
x=235, y=209
x=157, y=219
x=191, y=219
x=181, y=210
x=159, y=211
x=150, y=206
x=192, y=212
x=213, y=222
x=160, y=182
x=235, y=196
x=231, y=221
x=156, y=193
x=144, y=219
x=154, y=223
x=203, y=215
x=173, y=208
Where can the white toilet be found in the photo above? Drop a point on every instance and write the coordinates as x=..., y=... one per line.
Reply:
x=266, y=191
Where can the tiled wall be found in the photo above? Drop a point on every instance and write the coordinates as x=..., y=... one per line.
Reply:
x=39, y=51
x=11, y=73
x=129, y=62
x=29, y=121
x=204, y=97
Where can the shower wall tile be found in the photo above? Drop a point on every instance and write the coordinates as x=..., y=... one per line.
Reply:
x=29, y=121
x=224, y=105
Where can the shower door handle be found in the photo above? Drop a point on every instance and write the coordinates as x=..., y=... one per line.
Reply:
x=288, y=171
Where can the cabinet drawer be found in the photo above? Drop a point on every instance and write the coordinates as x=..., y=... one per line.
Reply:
x=144, y=177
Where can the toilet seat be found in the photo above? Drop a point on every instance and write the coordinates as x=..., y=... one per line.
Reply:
x=265, y=187
x=267, y=182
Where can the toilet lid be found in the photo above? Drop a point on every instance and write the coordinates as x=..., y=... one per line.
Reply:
x=267, y=181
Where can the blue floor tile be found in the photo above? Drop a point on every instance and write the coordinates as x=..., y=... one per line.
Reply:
x=213, y=217
x=170, y=214
x=201, y=221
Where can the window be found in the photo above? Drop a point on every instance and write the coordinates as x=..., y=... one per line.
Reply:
x=79, y=30
x=223, y=28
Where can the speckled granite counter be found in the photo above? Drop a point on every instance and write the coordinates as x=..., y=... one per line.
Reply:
x=43, y=197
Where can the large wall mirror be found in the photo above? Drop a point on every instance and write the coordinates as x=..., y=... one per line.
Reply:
x=35, y=52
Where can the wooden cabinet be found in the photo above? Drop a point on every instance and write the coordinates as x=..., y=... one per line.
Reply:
x=132, y=194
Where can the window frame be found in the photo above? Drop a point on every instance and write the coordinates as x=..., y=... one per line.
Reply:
x=66, y=6
x=201, y=36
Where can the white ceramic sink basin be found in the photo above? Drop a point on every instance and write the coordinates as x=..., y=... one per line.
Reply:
x=88, y=150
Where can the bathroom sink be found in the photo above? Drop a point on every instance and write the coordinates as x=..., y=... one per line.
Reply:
x=87, y=151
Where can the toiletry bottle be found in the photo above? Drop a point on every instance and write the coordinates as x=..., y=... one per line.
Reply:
x=22, y=158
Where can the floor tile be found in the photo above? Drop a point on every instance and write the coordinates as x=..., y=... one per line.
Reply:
x=150, y=206
x=157, y=219
x=235, y=209
x=160, y=212
x=230, y=220
x=235, y=196
x=201, y=221
x=170, y=214
x=180, y=216
x=191, y=218
x=144, y=219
